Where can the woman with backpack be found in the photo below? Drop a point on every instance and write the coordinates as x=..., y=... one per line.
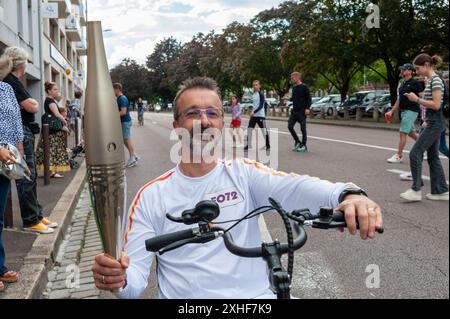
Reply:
x=425, y=66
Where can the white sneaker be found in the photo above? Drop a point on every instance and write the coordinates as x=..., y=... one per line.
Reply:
x=412, y=196
x=406, y=177
x=137, y=157
x=131, y=162
x=443, y=196
x=395, y=159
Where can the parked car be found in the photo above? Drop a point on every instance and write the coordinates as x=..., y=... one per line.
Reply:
x=327, y=103
x=315, y=99
x=226, y=107
x=272, y=102
x=383, y=103
x=359, y=100
x=246, y=106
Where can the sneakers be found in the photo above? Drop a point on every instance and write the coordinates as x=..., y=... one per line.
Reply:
x=49, y=223
x=443, y=196
x=412, y=196
x=137, y=157
x=406, y=177
x=296, y=147
x=302, y=149
x=39, y=228
x=132, y=162
x=395, y=159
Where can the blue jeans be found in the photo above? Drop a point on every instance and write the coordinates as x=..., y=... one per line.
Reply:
x=30, y=209
x=429, y=141
x=5, y=186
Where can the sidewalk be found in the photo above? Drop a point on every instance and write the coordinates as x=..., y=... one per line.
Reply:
x=29, y=253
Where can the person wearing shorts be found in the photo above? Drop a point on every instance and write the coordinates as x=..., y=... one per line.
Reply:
x=125, y=119
x=409, y=111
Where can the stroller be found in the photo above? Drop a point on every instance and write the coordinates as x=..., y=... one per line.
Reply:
x=78, y=150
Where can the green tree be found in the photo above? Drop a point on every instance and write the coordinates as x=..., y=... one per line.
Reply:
x=133, y=77
x=407, y=28
x=158, y=63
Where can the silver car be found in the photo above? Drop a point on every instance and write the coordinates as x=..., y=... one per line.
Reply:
x=327, y=103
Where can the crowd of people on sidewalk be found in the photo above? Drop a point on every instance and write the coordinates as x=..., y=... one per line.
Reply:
x=18, y=129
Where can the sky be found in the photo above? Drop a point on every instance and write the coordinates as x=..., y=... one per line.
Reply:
x=136, y=26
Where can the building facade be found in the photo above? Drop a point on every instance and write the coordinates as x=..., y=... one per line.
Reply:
x=53, y=34
x=19, y=26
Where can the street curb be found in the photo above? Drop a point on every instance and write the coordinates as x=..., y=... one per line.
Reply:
x=33, y=273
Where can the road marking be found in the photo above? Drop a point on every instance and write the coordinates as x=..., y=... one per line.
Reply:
x=345, y=142
x=400, y=172
x=351, y=143
x=312, y=277
x=265, y=235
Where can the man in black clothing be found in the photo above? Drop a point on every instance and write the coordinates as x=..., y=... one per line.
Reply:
x=409, y=111
x=258, y=115
x=301, y=102
x=30, y=208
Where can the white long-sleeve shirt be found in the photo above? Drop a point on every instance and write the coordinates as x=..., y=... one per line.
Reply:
x=210, y=270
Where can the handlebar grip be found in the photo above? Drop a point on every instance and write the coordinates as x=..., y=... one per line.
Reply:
x=339, y=216
x=156, y=243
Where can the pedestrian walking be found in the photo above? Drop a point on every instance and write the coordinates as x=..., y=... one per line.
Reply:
x=74, y=109
x=409, y=110
x=301, y=102
x=257, y=116
x=140, y=110
x=125, y=119
x=59, y=158
x=429, y=139
x=30, y=209
x=236, y=131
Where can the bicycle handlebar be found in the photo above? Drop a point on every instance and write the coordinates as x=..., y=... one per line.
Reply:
x=156, y=243
x=254, y=252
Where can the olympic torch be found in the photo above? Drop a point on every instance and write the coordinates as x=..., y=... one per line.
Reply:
x=104, y=145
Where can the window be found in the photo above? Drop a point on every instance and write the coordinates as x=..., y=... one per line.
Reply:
x=54, y=31
x=30, y=21
x=19, y=17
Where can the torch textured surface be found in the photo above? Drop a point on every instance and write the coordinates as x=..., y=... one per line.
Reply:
x=104, y=144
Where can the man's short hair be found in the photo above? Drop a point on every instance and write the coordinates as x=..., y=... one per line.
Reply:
x=78, y=94
x=298, y=74
x=194, y=83
x=256, y=81
x=117, y=86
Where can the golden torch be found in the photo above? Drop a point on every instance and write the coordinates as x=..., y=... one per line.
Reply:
x=104, y=145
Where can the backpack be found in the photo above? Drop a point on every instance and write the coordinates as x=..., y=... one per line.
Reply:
x=444, y=106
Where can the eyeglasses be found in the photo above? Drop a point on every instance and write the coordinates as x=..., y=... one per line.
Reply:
x=196, y=113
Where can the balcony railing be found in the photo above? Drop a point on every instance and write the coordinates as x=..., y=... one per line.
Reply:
x=73, y=29
x=81, y=48
x=64, y=8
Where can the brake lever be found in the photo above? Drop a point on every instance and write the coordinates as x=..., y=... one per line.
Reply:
x=200, y=239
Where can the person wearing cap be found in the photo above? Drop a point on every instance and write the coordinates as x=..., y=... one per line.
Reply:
x=409, y=110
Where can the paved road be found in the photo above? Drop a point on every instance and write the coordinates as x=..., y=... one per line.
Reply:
x=412, y=256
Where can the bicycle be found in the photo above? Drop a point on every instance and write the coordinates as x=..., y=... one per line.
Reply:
x=206, y=211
